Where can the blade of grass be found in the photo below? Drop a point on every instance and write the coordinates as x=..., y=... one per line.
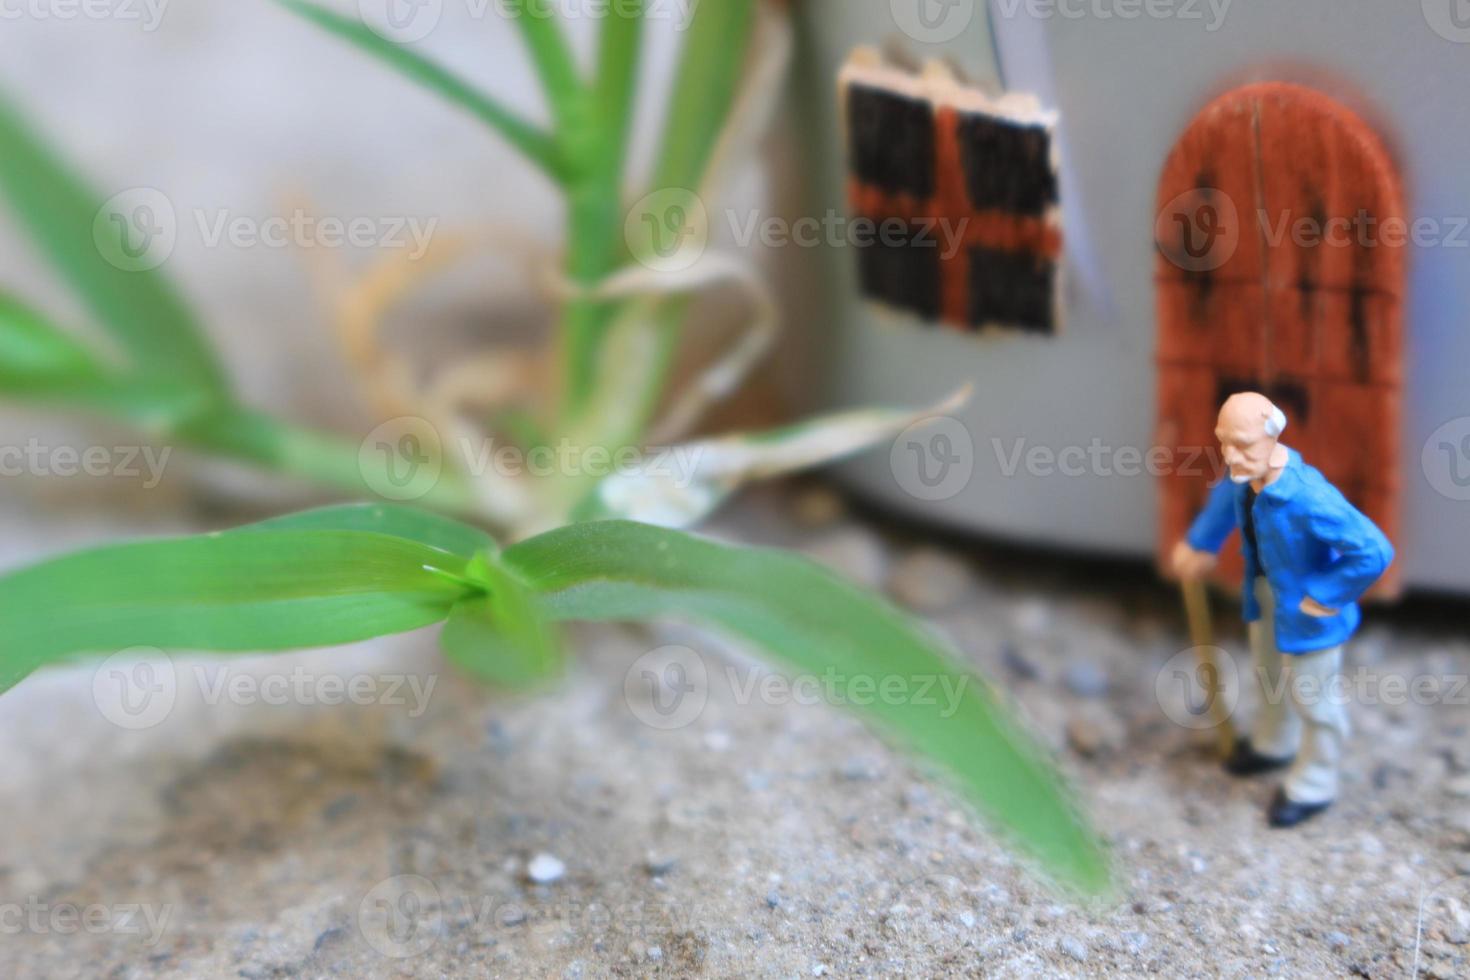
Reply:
x=614, y=97
x=321, y=457
x=271, y=590
x=716, y=42
x=554, y=64
x=31, y=347
x=63, y=219
x=431, y=530
x=595, y=217
x=718, y=37
x=536, y=145
x=42, y=364
x=815, y=623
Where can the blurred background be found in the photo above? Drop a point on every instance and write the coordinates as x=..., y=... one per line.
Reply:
x=259, y=822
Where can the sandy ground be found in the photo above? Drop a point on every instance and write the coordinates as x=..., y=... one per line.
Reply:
x=440, y=831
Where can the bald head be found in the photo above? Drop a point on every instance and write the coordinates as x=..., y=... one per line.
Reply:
x=1248, y=428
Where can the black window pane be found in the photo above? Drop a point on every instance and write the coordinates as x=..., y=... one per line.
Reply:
x=892, y=141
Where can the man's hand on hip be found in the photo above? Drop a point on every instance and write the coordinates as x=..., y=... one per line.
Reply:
x=1312, y=607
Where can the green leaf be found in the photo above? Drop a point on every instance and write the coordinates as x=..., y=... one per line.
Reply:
x=66, y=221
x=33, y=350
x=552, y=56
x=268, y=590
x=426, y=528
x=501, y=637
x=813, y=622
x=614, y=95
x=536, y=145
x=41, y=363
x=715, y=44
x=306, y=453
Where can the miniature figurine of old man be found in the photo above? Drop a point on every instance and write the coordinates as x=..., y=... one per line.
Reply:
x=1309, y=556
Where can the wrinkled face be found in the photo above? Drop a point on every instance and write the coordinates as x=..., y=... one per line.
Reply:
x=1243, y=441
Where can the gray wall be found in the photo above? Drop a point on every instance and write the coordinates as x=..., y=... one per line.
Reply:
x=1125, y=89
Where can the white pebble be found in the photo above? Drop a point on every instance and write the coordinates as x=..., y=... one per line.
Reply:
x=544, y=869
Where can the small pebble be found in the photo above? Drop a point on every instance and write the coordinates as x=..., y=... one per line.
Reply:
x=1031, y=618
x=929, y=580
x=852, y=552
x=1017, y=663
x=817, y=507
x=773, y=900
x=1086, y=679
x=717, y=740
x=1087, y=738
x=328, y=936
x=545, y=869
x=660, y=865
x=339, y=807
x=1073, y=948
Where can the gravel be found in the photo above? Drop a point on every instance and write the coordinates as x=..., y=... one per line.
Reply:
x=277, y=840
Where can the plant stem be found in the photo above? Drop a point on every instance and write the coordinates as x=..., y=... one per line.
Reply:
x=553, y=58
x=317, y=456
x=704, y=90
x=594, y=203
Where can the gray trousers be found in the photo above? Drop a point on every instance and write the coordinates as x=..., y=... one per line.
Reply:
x=1314, y=725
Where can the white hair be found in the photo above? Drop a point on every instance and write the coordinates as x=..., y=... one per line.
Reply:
x=1275, y=423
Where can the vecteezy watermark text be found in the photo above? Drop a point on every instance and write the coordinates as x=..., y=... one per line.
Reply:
x=1198, y=686
x=147, y=14
x=138, y=688
x=35, y=916
x=1097, y=458
x=403, y=459
x=1209, y=13
x=407, y=915
x=1201, y=229
x=35, y=458
x=407, y=21
x=669, y=688
x=138, y=229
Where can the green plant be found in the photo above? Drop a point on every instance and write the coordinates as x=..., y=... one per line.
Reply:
x=350, y=573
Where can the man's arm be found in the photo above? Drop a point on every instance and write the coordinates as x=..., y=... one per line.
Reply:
x=1216, y=521
x=1363, y=553
x=1195, y=555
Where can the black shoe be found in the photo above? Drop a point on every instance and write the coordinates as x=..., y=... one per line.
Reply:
x=1286, y=812
x=1246, y=761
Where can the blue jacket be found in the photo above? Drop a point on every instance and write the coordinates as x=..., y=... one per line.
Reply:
x=1312, y=543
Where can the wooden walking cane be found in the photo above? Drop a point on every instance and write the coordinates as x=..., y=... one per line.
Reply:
x=1201, y=634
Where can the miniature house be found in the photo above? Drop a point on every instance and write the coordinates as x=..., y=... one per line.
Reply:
x=1251, y=196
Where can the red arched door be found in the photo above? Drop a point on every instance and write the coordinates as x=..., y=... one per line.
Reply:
x=1281, y=247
